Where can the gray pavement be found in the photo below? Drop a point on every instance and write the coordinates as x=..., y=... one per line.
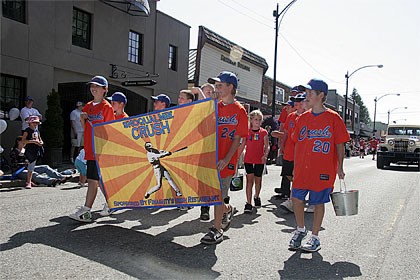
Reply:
x=39, y=241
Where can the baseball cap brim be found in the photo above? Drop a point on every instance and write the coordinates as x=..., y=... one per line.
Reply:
x=304, y=87
x=213, y=80
x=95, y=83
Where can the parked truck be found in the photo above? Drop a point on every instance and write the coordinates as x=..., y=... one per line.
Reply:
x=401, y=146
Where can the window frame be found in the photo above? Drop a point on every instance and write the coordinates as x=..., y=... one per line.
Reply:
x=173, y=58
x=10, y=11
x=18, y=92
x=138, y=56
x=280, y=94
x=78, y=40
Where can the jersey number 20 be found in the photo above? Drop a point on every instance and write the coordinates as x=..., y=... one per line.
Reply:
x=320, y=146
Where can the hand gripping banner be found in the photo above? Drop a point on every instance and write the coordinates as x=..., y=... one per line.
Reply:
x=164, y=158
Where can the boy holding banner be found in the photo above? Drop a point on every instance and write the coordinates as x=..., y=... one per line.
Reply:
x=232, y=126
x=96, y=111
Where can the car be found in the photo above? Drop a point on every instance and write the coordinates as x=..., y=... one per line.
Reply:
x=401, y=146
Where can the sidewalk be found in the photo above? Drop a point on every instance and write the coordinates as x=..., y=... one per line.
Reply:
x=6, y=183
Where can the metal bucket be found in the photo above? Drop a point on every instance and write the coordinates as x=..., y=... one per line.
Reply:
x=346, y=203
x=237, y=183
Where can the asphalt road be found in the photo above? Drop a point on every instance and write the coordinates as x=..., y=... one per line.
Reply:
x=39, y=241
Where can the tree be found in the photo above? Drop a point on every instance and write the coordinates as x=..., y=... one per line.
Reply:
x=364, y=112
x=52, y=129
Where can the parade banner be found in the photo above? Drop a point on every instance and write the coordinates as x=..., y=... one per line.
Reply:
x=164, y=158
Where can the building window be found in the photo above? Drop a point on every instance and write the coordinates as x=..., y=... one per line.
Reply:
x=15, y=10
x=279, y=95
x=81, y=28
x=172, y=57
x=13, y=91
x=135, y=47
x=265, y=99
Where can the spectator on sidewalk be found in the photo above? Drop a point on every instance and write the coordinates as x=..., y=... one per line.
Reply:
x=28, y=111
x=80, y=164
x=77, y=131
x=41, y=174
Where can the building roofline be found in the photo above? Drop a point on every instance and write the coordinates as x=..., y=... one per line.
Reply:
x=219, y=41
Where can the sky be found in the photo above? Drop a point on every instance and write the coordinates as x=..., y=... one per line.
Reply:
x=325, y=39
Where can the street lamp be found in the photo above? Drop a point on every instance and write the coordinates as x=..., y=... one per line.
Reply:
x=389, y=111
x=347, y=76
x=374, y=114
x=276, y=14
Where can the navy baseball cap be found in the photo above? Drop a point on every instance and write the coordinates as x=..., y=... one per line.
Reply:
x=29, y=98
x=163, y=98
x=316, y=84
x=300, y=97
x=118, y=97
x=296, y=89
x=99, y=80
x=225, y=77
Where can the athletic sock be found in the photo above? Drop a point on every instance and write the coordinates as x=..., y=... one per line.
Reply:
x=315, y=236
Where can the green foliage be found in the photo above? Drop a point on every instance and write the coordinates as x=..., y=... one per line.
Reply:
x=52, y=128
x=364, y=112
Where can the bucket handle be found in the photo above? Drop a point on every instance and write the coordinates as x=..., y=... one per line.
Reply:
x=342, y=182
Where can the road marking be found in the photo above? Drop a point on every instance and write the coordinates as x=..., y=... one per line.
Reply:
x=396, y=215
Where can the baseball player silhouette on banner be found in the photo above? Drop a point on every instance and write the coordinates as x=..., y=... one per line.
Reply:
x=153, y=155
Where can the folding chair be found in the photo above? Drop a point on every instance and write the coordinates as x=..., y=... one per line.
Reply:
x=13, y=175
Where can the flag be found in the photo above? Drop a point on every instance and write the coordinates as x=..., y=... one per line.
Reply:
x=164, y=158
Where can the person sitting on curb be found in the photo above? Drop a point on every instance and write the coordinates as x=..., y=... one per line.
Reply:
x=42, y=174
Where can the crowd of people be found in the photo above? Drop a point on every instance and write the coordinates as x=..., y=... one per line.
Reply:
x=310, y=138
x=362, y=147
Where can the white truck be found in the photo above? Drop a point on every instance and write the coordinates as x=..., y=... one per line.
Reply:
x=401, y=146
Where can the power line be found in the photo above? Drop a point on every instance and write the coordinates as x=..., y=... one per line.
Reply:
x=307, y=63
x=236, y=10
x=288, y=43
x=252, y=11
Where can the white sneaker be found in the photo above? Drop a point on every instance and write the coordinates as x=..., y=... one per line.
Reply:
x=310, y=209
x=106, y=211
x=227, y=218
x=287, y=205
x=82, y=215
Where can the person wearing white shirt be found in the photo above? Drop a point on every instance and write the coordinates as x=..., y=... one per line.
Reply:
x=77, y=131
x=28, y=111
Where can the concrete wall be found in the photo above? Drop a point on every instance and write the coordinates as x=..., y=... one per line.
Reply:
x=178, y=35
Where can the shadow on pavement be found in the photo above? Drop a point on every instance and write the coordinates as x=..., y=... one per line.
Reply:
x=145, y=217
x=134, y=253
x=301, y=266
x=12, y=189
x=288, y=219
